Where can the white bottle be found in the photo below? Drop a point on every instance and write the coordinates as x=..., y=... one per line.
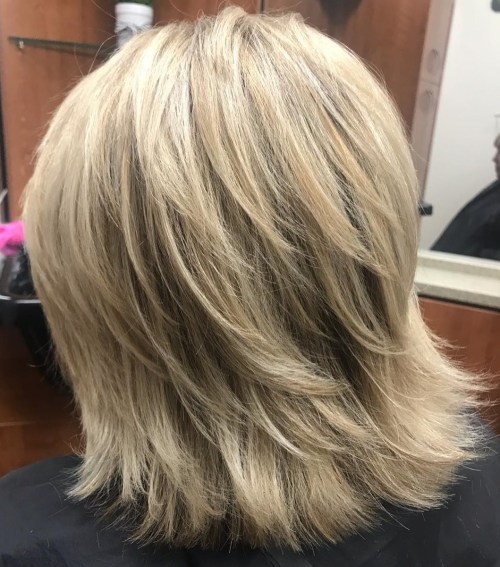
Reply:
x=131, y=18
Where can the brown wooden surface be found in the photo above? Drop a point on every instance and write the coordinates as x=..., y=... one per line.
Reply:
x=34, y=80
x=388, y=34
x=474, y=337
x=36, y=421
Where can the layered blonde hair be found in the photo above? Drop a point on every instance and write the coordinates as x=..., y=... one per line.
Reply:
x=223, y=232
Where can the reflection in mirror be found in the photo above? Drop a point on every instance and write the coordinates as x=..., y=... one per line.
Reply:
x=463, y=126
x=475, y=229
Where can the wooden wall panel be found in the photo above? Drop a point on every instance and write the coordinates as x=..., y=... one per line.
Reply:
x=36, y=421
x=34, y=80
x=318, y=13
x=474, y=337
x=388, y=34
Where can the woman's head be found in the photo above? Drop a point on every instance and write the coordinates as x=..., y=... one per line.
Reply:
x=223, y=231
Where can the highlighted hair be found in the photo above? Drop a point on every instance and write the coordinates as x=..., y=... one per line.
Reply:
x=223, y=232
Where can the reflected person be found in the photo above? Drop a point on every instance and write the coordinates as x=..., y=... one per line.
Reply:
x=475, y=230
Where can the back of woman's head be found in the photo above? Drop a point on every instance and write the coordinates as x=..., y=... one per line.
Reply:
x=223, y=230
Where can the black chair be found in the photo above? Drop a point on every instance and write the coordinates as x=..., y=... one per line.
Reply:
x=20, y=307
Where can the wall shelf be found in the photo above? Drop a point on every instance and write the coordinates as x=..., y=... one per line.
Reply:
x=91, y=49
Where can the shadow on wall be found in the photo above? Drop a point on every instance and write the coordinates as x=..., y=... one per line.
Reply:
x=340, y=11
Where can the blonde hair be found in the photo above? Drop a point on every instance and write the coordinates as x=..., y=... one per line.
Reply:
x=223, y=232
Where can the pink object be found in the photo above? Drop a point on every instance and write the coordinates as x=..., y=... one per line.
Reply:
x=11, y=237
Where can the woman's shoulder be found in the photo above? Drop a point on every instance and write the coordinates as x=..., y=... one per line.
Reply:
x=40, y=472
x=40, y=525
x=29, y=495
x=32, y=506
x=465, y=530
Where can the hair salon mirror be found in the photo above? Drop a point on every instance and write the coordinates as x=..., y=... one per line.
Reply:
x=456, y=137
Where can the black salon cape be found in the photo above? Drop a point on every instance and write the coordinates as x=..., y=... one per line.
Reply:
x=475, y=230
x=39, y=527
